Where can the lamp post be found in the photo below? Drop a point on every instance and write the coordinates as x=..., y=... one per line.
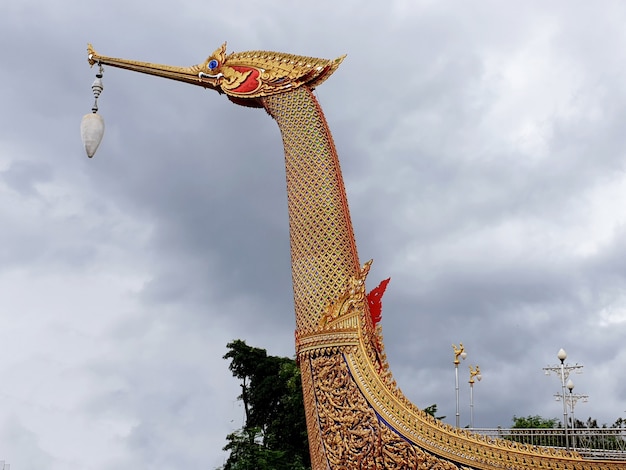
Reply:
x=458, y=352
x=572, y=399
x=473, y=373
x=562, y=355
x=570, y=387
x=563, y=370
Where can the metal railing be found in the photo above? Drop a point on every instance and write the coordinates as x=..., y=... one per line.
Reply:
x=592, y=443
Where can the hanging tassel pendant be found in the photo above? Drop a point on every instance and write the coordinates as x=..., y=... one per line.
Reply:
x=91, y=131
x=92, y=125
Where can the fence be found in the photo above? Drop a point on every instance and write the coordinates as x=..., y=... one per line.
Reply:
x=593, y=443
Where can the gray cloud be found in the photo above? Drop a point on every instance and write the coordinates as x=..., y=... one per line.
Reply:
x=483, y=152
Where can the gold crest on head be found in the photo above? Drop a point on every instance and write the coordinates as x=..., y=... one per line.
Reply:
x=255, y=74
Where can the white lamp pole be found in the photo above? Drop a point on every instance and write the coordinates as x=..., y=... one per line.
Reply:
x=562, y=355
x=473, y=373
x=458, y=352
x=563, y=370
x=572, y=399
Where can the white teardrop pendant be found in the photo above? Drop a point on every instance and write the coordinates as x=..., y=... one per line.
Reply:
x=92, y=125
x=91, y=131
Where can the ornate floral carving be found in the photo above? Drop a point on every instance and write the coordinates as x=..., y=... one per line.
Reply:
x=353, y=434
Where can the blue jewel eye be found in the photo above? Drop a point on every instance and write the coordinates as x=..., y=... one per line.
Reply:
x=212, y=64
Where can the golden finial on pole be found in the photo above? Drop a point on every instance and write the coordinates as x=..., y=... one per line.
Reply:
x=474, y=373
x=460, y=351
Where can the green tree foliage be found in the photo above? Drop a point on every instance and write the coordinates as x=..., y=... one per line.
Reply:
x=523, y=424
x=432, y=410
x=247, y=452
x=535, y=422
x=274, y=434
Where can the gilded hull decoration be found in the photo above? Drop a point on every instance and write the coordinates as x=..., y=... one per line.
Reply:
x=357, y=417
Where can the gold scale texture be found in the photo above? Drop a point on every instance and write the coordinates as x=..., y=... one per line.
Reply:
x=323, y=251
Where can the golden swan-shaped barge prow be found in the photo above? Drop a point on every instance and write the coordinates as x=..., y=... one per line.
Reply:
x=242, y=76
x=357, y=418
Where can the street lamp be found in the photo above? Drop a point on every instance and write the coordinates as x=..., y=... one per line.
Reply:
x=563, y=370
x=458, y=352
x=572, y=399
x=562, y=355
x=570, y=387
x=473, y=373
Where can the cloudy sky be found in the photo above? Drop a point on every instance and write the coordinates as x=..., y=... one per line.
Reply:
x=483, y=149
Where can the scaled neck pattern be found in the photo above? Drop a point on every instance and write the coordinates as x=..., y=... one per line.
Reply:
x=323, y=250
